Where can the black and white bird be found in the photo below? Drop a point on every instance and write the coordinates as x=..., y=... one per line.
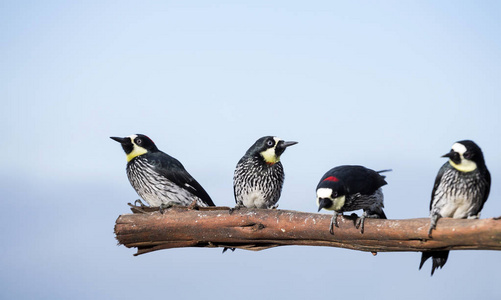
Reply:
x=460, y=191
x=348, y=188
x=159, y=178
x=259, y=175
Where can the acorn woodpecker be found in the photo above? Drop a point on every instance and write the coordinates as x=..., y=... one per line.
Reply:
x=159, y=178
x=349, y=188
x=460, y=191
x=259, y=175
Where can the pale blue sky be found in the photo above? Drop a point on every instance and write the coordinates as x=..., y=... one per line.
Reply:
x=385, y=85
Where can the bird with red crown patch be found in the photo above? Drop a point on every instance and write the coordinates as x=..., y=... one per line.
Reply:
x=348, y=188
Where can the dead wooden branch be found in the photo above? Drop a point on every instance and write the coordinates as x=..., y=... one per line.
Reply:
x=258, y=229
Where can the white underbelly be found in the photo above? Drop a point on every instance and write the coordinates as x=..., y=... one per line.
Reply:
x=457, y=208
x=254, y=199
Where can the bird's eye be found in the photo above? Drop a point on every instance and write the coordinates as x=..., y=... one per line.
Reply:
x=334, y=195
x=467, y=155
x=270, y=143
x=138, y=141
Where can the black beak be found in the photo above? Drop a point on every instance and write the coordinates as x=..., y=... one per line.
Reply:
x=281, y=146
x=287, y=144
x=120, y=140
x=449, y=155
x=453, y=156
x=323, y=203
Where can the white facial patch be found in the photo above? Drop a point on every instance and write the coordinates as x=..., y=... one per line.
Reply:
x=337, y=203
x=459, y=148
x=465, y=165
x=324, y=193
x=270, y=155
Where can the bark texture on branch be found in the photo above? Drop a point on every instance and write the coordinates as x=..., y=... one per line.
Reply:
x=258, y=229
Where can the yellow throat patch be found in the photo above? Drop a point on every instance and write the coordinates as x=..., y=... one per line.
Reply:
x=136, y=151
x=269, y=155
x=338, y=203
x=466, y=165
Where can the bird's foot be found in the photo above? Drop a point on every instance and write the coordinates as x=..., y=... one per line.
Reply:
x=333, y=223
x=137, y=209
x=237, y=207
x=194, y=205
x=274, y=206
x=430, y=230
x=167, y=205
x=433, y=224
x=141, y=204
x=360, y=223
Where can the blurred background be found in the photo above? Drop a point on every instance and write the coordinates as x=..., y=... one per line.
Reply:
x=384, y=85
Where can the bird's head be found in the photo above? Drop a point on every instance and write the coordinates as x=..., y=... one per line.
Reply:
x=135, y=145
x=269, y=148
x=331, y=194
x=465, y=156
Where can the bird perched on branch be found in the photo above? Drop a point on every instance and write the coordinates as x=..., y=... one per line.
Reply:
x=159, y=178
x=349, y=188
x=259, y=175
x=461, y=188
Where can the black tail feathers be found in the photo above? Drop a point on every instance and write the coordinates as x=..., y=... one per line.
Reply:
x=382, y=171
x=382, y=214
x=377, y=213
x=439, y=259
x=228, y=248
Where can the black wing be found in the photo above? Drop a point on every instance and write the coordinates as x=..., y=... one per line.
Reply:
x=357, y=179
x=438, y=179
x=487, y=188
x=174, y=171
x=234, y=175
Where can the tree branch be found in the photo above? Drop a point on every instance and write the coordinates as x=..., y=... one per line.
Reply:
x=258, y=229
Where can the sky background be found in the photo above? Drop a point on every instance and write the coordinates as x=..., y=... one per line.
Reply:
x=391, y=84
